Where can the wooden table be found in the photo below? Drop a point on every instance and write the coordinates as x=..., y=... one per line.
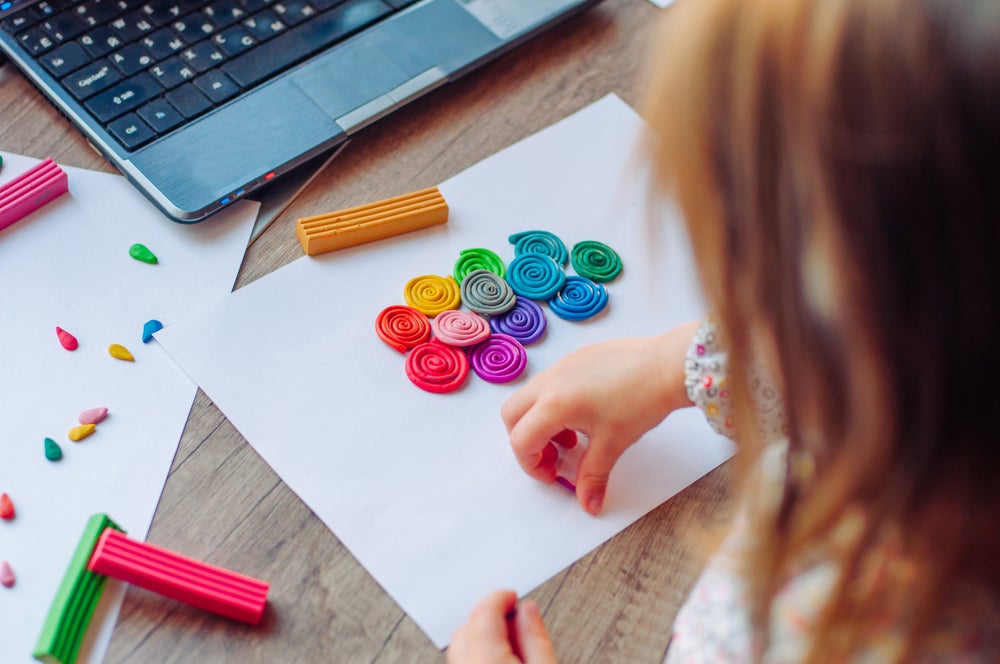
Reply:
x=223, y=504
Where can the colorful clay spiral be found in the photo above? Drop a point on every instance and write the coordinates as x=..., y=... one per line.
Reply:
x=579, y=299
x=431, y=294
x=596, y=261
x=525, y=322
x=434, y=367
x=478, y=259
x=486, y=293
x=499, y=359
x=539, y=242
x=460, y=328
x=535, y=276
x=402, y=327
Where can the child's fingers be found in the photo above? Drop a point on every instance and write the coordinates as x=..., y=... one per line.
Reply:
x=593, y=473
x=533, y=643
x=485, y=637
x=529, y=440
x=518, y=404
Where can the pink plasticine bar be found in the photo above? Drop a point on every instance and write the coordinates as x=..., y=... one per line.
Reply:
x=179, y=577
x=31, y=190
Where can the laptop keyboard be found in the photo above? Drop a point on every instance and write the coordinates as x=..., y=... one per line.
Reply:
x=143, y=68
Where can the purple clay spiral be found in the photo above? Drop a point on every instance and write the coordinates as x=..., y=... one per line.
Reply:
x=525, y=322
x=499, y=359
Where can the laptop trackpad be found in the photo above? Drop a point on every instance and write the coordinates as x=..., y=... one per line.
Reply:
x=348, y=77
x=273, y=125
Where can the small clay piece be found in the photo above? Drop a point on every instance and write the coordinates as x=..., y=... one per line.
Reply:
x=52, y=450
x=119, y=352
x=150, y=328
x=92, y=415
x=76, y=434
x=6, y=507
x=67, y=340
x=6, y=575
x=141, y=252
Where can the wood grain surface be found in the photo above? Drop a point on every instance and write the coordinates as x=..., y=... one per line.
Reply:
x=222, y=503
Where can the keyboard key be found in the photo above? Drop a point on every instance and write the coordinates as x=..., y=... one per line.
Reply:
x=92, y=79
x=202, y=56
x=233, y=40
x=36, y=41
x=132, y=26
x=19, y=21
x=217, y=86
x=161, y=13
x=296, y=43
x=124, y=97
x=188, y=100
x=95, y=12
x=100, y=41
x=162, y=43
x=254, y=6
x=187, y=29
x=171, y=73
x=123, y=6
x=131, y=131
x=224, y=12
x=131, y=59
x=293, y=12
x=65, y=59
x=63, y=27
x=264, y=25
x=203, y=26
x=160, y=115
x=45, y=9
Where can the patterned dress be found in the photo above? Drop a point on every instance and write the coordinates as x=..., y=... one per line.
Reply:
x=713, y=625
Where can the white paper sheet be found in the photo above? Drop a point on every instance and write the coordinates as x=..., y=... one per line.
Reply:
x=68, y=265
x=421, y=487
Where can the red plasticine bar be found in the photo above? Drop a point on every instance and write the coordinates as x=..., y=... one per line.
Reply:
x=172, y=575
x=31, y=190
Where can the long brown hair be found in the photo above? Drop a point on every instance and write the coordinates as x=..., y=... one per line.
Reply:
x=838, y=166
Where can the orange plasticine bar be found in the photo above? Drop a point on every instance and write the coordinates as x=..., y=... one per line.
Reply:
x=374, y=221
x=172, y=575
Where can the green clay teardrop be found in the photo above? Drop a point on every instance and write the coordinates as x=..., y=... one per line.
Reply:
x=141, y=252
x=52, y=450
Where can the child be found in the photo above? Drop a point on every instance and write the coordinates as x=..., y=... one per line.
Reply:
x=837, y=165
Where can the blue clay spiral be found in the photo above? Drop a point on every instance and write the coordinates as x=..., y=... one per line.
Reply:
x=579, y=299
x=535, y=276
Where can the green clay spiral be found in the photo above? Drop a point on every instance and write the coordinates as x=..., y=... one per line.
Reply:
x=595, y=261
x=470, y=260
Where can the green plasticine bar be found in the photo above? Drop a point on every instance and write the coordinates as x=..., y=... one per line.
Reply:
x=75, y=601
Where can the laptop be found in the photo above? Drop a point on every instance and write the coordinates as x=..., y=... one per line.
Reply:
x=201, y=102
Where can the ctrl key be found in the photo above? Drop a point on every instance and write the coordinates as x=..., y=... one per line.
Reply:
x=131, y=131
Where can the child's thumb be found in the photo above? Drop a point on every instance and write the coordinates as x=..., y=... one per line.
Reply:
x=534, y=644
x=593, y=473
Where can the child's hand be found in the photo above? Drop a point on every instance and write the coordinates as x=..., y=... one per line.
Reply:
x=497, y=633
x=613, y=392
